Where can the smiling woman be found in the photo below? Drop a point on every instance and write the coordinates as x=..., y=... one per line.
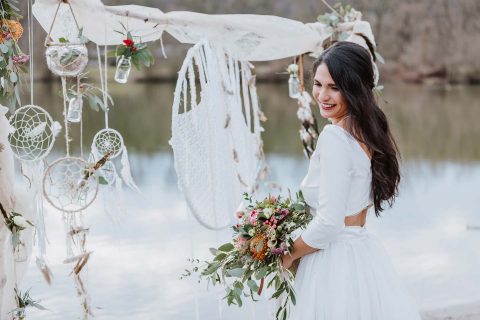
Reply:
x=344, y=272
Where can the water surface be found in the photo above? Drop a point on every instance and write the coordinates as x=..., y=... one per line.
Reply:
x=133, y=273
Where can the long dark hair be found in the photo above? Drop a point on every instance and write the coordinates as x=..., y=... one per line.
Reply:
x=351, y=68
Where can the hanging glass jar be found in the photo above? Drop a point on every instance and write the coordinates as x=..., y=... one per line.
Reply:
x=294, y=86
x=124, y=65
x=75, y=106
x=66, y=60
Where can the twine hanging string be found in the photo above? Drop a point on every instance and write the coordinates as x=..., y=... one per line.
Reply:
x=103, y=80
x=30, y=47
x=302, y=74
x=67, y=137
x=81, y=118
x=49, y=39
x=298, y=60
x=105, y=88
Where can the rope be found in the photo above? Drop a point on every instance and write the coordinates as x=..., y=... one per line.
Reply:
x=48, y=38
x=67, y=138
x=103, y=83
x=81, y=118
x=302, y=74
x=30, y=47
x=105, y=100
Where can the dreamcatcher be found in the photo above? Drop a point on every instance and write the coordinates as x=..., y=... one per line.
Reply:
x=215, y=136
x=31, y=138
x=70, y=184
x=110, y=141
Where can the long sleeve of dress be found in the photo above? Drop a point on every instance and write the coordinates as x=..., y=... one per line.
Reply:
x=326, y=187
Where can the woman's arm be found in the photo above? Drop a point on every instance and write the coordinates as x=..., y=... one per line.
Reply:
x=300, y=249
x=328, y=185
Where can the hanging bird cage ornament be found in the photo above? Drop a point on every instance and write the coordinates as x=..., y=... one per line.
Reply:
x=65, y=58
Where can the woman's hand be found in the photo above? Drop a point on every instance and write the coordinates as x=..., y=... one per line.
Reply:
x=287, y=261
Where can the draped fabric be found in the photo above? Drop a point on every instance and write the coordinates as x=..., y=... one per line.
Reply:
x=245, y=37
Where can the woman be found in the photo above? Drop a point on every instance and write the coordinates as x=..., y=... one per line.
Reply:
x=344, y=272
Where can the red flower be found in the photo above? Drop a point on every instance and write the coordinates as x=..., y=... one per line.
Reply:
x=128, y=42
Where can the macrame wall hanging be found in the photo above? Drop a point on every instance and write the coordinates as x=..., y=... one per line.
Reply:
x=296, y=90
x=216, y=134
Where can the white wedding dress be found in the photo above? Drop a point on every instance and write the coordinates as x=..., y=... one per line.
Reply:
x=351, y=277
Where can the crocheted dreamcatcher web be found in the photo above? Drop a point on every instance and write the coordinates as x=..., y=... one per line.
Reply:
x=69, y=184
x=33, y=133
x=108, y=140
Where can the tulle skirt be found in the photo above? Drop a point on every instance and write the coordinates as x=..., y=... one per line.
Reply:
x=353, y=279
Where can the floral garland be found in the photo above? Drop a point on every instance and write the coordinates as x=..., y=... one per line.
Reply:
x=12, y=59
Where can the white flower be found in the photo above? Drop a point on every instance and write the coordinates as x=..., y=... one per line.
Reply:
x=290, y=225
x=20, y=221
x=293, y=68
x=271, y=243
x=268, y=212
x=305, y=115
x=305, y=136
x=251, y=232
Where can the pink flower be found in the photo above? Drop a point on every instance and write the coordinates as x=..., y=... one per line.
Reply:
x=240, y=214
x=240, y=242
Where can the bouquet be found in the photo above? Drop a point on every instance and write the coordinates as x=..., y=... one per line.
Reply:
x=262, y=236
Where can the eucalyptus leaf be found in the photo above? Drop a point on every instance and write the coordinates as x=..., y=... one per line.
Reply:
x=102, y=180
x=3, y=48
x=220, y=256
x=226, y=247
x=252, y=285
x=237, y=272
x=13, y=77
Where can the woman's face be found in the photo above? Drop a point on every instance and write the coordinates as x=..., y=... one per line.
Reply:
x=329, y=99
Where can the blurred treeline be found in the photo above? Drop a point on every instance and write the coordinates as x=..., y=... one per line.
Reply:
x=421, y=40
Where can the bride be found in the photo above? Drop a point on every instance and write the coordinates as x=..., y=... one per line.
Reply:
x=344, y=272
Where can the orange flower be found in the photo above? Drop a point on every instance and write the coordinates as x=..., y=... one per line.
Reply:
x=258, y=247
x=15, y=30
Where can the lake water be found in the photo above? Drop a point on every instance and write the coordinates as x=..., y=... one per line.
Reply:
x=432, y=233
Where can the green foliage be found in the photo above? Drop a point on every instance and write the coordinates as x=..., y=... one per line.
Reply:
x=25, y=300
x=138, y=52
x=93, y=94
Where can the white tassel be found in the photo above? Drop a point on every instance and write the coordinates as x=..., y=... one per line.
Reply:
x=34, y=171
x=56, y=128
x=125, y=171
